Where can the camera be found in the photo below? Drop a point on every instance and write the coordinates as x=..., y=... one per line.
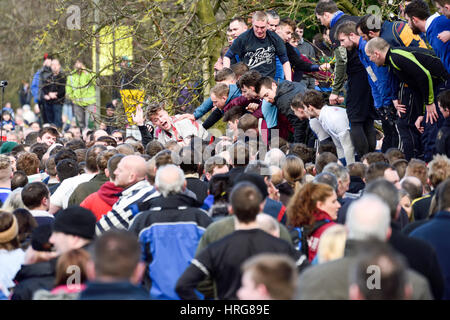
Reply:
x=3, y=83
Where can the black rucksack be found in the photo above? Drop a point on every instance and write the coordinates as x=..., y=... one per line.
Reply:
x=299, y=235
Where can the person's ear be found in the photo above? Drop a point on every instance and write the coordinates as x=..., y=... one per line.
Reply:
x=90, y=270
x=184, y=185
x=45, y=201
x=319, y=205
x=408, y=292
x=138, y=273
x=354, y=293
x=208, y=175
x=107, y=172
x=230, y=210
x=372, y=34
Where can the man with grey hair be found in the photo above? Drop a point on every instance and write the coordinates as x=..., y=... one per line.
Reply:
x=174, y=226
x=367, y=218
x=130, y=174
x=275, y=157
x=421, y=257
x=342, y=176
x=273, y=20
x=170, y=180
x=329, y=177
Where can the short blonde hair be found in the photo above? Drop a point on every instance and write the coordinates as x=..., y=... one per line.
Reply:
x=220, y=90
x=259, y=16
x=332, y=243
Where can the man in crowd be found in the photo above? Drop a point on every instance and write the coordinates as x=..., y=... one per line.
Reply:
x=130, y=175
x=53, y=94
x=258, y=47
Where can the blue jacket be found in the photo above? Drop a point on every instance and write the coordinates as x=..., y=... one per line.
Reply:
x=35, y=86
x=442, y=50
x=169, y=234
x=435, y=232
x=380, y=79
x=279, y=72
x=207, y=105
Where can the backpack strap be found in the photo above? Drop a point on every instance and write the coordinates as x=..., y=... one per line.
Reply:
x=281, y=214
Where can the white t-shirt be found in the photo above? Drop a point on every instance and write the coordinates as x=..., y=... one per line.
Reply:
x=60, y=197
x=10, y=264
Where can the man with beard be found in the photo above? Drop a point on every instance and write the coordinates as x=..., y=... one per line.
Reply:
x=360, y=106
x=378, y=80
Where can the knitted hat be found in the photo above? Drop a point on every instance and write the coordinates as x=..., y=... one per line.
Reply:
x=256, y=179
x=7, y=147
x=75, y=221
x=40, y=238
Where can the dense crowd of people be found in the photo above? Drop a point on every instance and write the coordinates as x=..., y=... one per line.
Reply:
x=334, y=170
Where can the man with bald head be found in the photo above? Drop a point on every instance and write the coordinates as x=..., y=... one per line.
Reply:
x=130, y=175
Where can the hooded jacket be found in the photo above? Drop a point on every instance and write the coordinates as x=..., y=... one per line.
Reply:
x=169, y=234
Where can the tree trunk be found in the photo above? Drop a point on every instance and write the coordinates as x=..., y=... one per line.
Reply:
x=213, y=44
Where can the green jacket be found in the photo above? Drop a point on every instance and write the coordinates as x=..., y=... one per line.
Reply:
x=80, y=88
x=86, y=188
x=340, y=75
